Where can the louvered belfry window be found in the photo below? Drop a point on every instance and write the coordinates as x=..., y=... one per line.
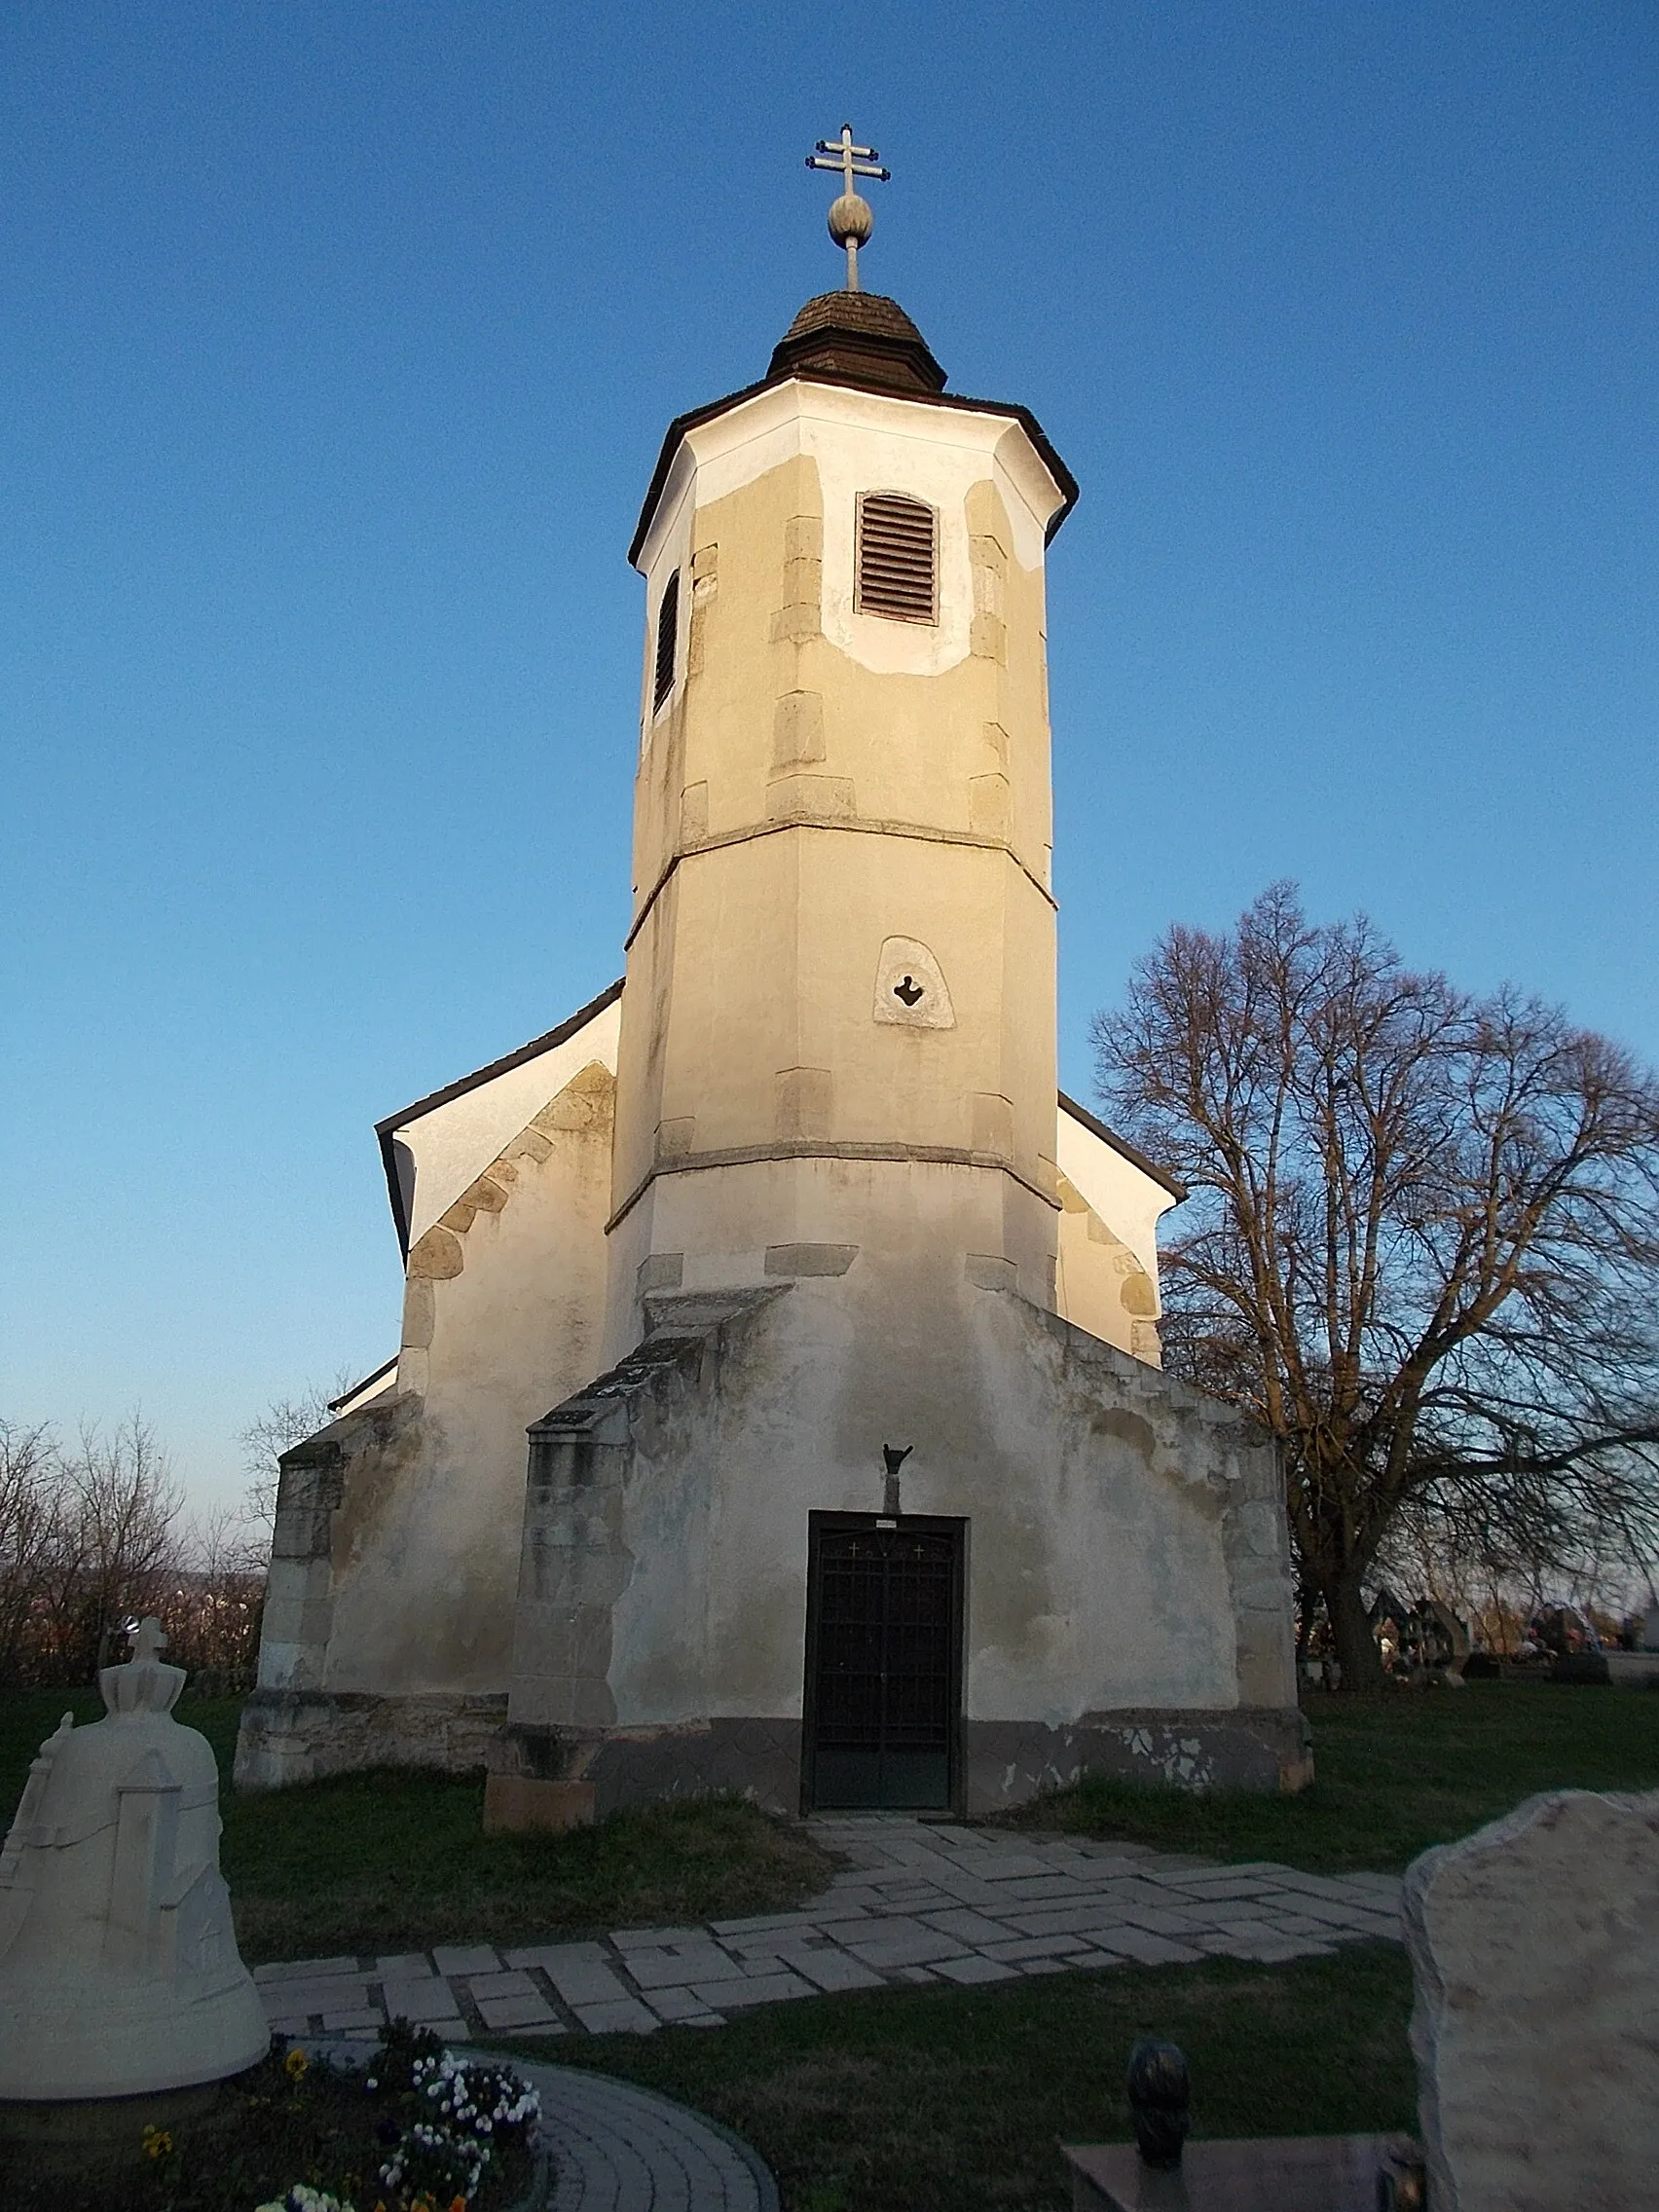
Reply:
x=667, y=638
x=897, y=558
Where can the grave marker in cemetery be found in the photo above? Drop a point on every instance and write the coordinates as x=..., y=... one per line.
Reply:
x=1534, y=1949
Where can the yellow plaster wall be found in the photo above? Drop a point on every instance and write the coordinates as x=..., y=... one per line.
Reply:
x=795, y=807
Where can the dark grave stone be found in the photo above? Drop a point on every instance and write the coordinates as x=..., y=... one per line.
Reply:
x=1295, y=2173
x=1287, y=2173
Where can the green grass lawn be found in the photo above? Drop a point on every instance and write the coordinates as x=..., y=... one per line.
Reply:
x=949, y=2100
x=1394, y=1773
x=398, y=1860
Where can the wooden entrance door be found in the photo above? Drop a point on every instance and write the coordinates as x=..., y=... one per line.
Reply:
x=883, y=1662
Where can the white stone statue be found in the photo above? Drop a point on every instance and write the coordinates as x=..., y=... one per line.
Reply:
x=119, y=1970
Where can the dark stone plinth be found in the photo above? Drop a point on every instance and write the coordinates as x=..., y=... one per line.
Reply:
x=1240, y=1748
x=1006, y=1762
x=289, y=1736
x=1285, y=2173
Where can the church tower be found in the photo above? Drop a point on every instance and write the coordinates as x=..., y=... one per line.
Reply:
x=855, y=1517
x=838, y=1052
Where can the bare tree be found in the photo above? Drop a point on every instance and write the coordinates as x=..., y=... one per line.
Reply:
x=107, y=1550
x=285, y=1422
x=124, y=1502
x=90, y=1540
x=1424, y=1244
x=31, y=1481
x=215, y=1600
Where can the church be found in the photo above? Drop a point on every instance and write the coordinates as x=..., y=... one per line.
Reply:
x=778, y=1405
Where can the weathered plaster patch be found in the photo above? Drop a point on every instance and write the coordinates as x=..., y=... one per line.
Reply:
x=797, y=730
x=805, y=1103
x=810, y=799
x=810, y=1258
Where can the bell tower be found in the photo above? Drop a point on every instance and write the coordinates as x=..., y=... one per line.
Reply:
x=838, y=1050
x=854, y=1514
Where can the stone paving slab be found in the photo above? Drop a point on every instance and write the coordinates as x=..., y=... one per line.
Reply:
x=505, y=2013
x=835, y=1970
x=974, y=1967
x=916, y=1902
x=685, y=1964
x=405, y=1966
x=431, y=1999
x=514, y=1985
x=465, y=1958
x=623, y=2015
x=969, y=1927
x=306, y=1969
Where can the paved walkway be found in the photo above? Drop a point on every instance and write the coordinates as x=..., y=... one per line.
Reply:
x=615, y=2147
x=619, y=2149
x=917, y=1903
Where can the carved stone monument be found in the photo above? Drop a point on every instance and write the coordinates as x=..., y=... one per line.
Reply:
x=1534, y=1949
x=119, y=1970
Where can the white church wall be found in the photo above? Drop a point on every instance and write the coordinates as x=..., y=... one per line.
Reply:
x=1101, y=1285
x=455, y=1141
x=509, y=1333
x=1106, y=1279
x=1128, y=1571
x=1121, y=1193
x=400, y=1527
x=1096, y=1578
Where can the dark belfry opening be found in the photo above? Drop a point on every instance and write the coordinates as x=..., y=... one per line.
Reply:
x=667, y=639
x=896, y=557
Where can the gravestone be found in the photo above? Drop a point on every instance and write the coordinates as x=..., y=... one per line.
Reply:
x=119, y=1970
x=1162, y=2172
x=1534, y=1949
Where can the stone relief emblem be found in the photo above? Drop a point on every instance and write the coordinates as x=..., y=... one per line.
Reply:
x=910, y=988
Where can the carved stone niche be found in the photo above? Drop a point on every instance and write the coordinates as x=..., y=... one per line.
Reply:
x=910, y=989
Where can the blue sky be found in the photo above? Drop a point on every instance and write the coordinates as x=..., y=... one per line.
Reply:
x=336, y=341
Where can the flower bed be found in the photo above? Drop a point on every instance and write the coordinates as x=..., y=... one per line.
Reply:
x=406, y=2127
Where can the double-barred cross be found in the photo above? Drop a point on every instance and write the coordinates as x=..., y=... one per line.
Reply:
x=850, y=218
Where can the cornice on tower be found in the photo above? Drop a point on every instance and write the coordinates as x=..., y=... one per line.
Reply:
x=862, y=341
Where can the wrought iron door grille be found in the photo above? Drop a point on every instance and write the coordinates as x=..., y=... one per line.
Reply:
x=884, y=1695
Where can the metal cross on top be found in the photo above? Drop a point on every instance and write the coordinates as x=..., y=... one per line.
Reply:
x=851, y=218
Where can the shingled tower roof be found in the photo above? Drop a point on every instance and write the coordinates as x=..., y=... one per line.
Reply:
x=859, y=338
